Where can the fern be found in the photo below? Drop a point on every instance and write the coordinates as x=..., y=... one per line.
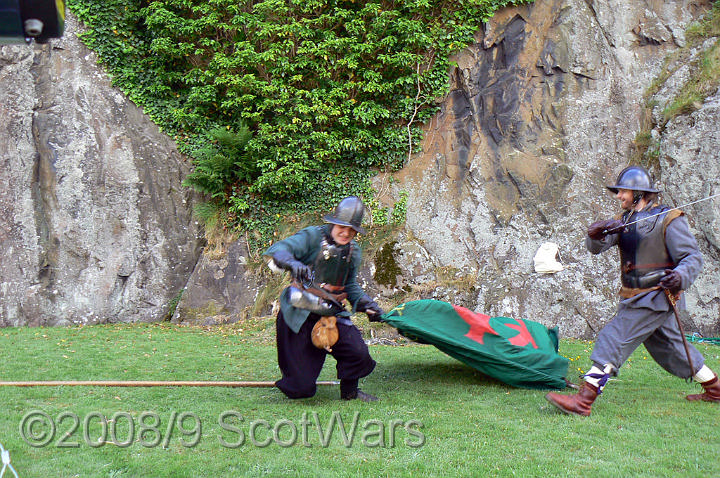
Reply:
x=222, y=163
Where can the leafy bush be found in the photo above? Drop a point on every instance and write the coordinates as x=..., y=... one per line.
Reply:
x=329, y=90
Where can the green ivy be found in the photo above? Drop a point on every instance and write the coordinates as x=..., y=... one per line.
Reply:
x=399, y=212
x=327, y=91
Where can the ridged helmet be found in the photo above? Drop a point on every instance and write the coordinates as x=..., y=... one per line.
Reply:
x=349, y=212
x=634, y=178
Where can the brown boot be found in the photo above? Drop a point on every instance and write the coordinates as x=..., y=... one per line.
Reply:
x=577, y=404
x=711, y=394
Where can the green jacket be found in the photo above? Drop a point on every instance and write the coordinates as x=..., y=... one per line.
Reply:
x=305, y=246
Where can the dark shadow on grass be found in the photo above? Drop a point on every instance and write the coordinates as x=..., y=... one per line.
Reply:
x=435, y=373
x=398, y=375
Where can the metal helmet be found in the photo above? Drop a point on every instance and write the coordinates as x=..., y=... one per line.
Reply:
x=634, y=178
x=348, y=213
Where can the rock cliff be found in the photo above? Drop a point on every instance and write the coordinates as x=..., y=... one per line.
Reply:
x=94, y=224
x=542, y=114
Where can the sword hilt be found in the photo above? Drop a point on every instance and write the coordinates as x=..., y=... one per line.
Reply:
x=613, y=230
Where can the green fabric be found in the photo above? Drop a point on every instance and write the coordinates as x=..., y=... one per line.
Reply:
x=518, y=352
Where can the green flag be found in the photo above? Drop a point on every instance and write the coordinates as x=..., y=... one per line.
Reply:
x=519, y=352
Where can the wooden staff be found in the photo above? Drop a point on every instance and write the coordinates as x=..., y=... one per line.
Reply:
x=139, y=383
x=673, y=299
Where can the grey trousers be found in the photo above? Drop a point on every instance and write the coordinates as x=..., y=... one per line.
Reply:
x=658, y=330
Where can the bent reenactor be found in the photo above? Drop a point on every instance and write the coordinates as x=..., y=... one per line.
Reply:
x=323, y=262
x=659, y=259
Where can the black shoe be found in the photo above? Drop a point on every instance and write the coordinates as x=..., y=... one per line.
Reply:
x=360, y=395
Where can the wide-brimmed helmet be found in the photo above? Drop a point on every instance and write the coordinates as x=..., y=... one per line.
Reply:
x=349, y=212
x=634, y=178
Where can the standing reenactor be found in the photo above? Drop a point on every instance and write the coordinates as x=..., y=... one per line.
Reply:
x=659, y=259
x=323, y=261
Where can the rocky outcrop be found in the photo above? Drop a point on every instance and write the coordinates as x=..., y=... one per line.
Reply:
x=542, y=113
x=94, y=222
x=220, y=290
x=690, y=164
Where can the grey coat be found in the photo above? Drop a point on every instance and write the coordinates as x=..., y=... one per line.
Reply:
x=648, y=318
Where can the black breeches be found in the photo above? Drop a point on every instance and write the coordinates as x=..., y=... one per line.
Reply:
x=301, y=362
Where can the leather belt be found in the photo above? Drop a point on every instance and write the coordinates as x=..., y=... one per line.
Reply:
x=628, y=292
x=335, y=289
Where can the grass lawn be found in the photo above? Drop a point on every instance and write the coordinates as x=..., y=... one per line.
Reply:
x=436, y=417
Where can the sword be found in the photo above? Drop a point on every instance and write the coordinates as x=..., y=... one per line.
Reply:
x=614, y=229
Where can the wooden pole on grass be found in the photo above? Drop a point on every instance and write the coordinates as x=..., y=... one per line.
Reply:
x=140, y=383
